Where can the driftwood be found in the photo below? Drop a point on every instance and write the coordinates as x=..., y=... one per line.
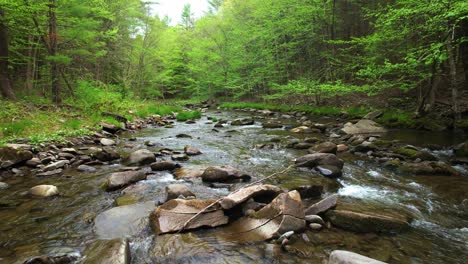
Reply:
x=219, y=200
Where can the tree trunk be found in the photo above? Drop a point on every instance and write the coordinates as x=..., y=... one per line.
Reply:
x=453, y=73
x=5, y=83
x=54, y=67
x=30, y=66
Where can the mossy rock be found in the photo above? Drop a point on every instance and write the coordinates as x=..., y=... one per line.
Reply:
x=407, y=152
x=126, y=200
x=461, y=150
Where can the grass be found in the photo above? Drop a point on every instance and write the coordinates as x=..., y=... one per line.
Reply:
x=397, y=118
x=354, y=112
x=187, y=115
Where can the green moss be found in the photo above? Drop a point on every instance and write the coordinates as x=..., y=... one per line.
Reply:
x=407, y=152
x=397, y=118
x=184, y=116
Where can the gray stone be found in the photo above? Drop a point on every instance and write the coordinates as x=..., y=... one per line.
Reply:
x=86, y=168
x=180, y=157
x=364, y=126
x=164, y=165
x=366, y=223
x=316, y=159
x=245, y=194
x=107, y=142
x=223, y=174
x=325, y=147
x=49, y=173
x=141, y=157
x=314, y=219
x=173, y=191
x=123, y=221
x=315, y=226
x=13, y=155
x=322, y=206
x=121, y=179
x=56, y=165
x=347, y=257
x=191, y=151
x=4, y=186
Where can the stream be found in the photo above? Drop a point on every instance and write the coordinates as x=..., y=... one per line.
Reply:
x=64, y=224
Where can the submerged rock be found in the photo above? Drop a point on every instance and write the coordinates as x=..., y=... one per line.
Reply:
x=44, y=191
x=191, y=151
x=430, y=168
x=190, y=172
x=316, y=159
x=347, y=257
x=305, y=130
x=141, y=157
x=123, y=221
x=272, y=124
x=121, y=179
x=86, y=168
x=365, y=223
x=325, y=147
x=223, y=174
x=173, y=191
x=172, y=215
x=364, y=126
x=285, y=213
x=245, y=194
x=243, y=122
x=59, y=259
x=116, y=251
x=107, y=142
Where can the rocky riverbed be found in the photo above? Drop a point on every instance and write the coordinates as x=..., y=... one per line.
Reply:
x=192, y=192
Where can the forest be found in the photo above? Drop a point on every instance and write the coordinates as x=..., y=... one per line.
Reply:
x=409, y=55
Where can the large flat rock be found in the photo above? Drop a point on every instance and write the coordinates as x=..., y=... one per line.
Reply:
x=322, y=206
x=244, y=194
x=367, y=223
x=364, y=126
x=121, y=179
x=172, y=216
x=348, y=257
x=123, y=221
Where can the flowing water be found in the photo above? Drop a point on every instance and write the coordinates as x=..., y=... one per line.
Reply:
x=63, y=224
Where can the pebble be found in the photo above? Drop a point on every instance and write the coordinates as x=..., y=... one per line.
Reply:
x=315, y=226
x=4, y=186
x=314, y=219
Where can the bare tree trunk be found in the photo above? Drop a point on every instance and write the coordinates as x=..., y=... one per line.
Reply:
x=5, y=83
x=30, y=66
x=453, y=74
x=54, y=67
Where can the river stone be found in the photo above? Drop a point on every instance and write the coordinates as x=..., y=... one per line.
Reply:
x=348, y=257
x=86, y=168
x=313, y=160
x=325, y=147
x=285, y=213
x=33, y=163
x=366, y=223
x=4, y=186
x=191, y=151
x=180, y=157
x=302, y=145
x=430, y=168
x=141, y=157
x=304, y=130
x=272, y=124
x=190, y=172
x=164, y=165
x=175, y=190
x=342, y=148
x=44, y=191
x=172, y=215
x=223, y=174
x=315, y=226
x=123, y=221
x=314, y=219
x=49, y=173
x=322, y=206
x=69, y=150
x=56, y=165
x=243, y=122
x=121, y=179
x=364, y=126
x=107, y=142
x=11, y=156
x=116, y=251
x=244, y=194
x=329, y=171
x=104, y=154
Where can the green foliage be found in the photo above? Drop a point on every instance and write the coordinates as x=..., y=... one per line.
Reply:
x=72, y=124
x=188, y=115
x=15, y=128
x=397, y=118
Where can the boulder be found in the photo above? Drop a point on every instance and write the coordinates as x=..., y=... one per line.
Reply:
x=123, y=221
x=329, y=171
x=302, y=145
x=49, y=173
x=430, y=168
x=223, y=174
x=325, y=147
x=243, y=122
x=284, y=214
x=364, y=126
x=347, y=257
x=316, y=159
x=244, y=194
x=121, y=179
x=191, y=151
x=33, y=163
x=116, y=251
x=461, y=150
x=141, y=157
x=107, y=142
x=11, y=156
x=366, y=223
x=342, y=148
x=190, y=172
x=172, y=215
x=322, y=206
x=104, y=154
x=164, y=165
x=173, y=191
x=44, y=191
